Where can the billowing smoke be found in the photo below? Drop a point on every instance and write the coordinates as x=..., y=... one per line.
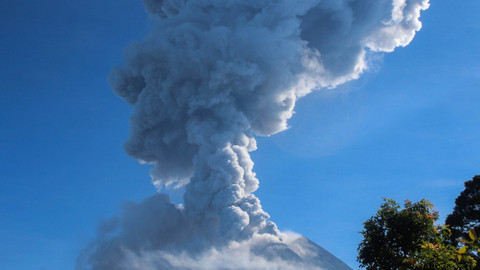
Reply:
x=210, y=76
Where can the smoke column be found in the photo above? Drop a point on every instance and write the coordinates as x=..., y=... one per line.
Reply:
x=210, y=76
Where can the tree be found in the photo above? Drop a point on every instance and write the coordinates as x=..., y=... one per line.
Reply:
x=438, y=254
x=466, y=214
x=408, y=239
x=393, y=236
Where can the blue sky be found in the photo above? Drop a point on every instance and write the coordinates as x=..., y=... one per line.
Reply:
x=407, y=129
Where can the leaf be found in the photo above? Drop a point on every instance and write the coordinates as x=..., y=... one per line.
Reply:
x=462, y=240
x=463, y=250
x=472, y=235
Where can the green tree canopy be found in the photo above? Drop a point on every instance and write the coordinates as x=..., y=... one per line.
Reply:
x=407, y=238
x=438, y=254
x=394, y=235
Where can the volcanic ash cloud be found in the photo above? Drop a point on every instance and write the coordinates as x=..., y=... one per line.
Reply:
x=209, y=76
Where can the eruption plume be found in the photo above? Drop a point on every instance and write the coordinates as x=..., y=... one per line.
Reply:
x=210, y=76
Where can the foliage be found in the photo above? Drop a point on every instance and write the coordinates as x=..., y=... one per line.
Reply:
x=473, y=243
x=471, y=247
x=466, y=214
x=393, y=236
x=407, y=238
x=438, y=254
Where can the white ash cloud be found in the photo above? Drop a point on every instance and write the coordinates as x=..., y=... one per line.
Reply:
x=210, y=76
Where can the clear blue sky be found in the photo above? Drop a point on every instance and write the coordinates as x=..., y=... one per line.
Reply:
x=408, y=129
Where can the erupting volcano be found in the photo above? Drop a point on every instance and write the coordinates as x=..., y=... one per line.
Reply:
x=209, y=77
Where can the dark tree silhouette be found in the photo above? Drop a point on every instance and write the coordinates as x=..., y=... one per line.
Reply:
x=466, y=214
